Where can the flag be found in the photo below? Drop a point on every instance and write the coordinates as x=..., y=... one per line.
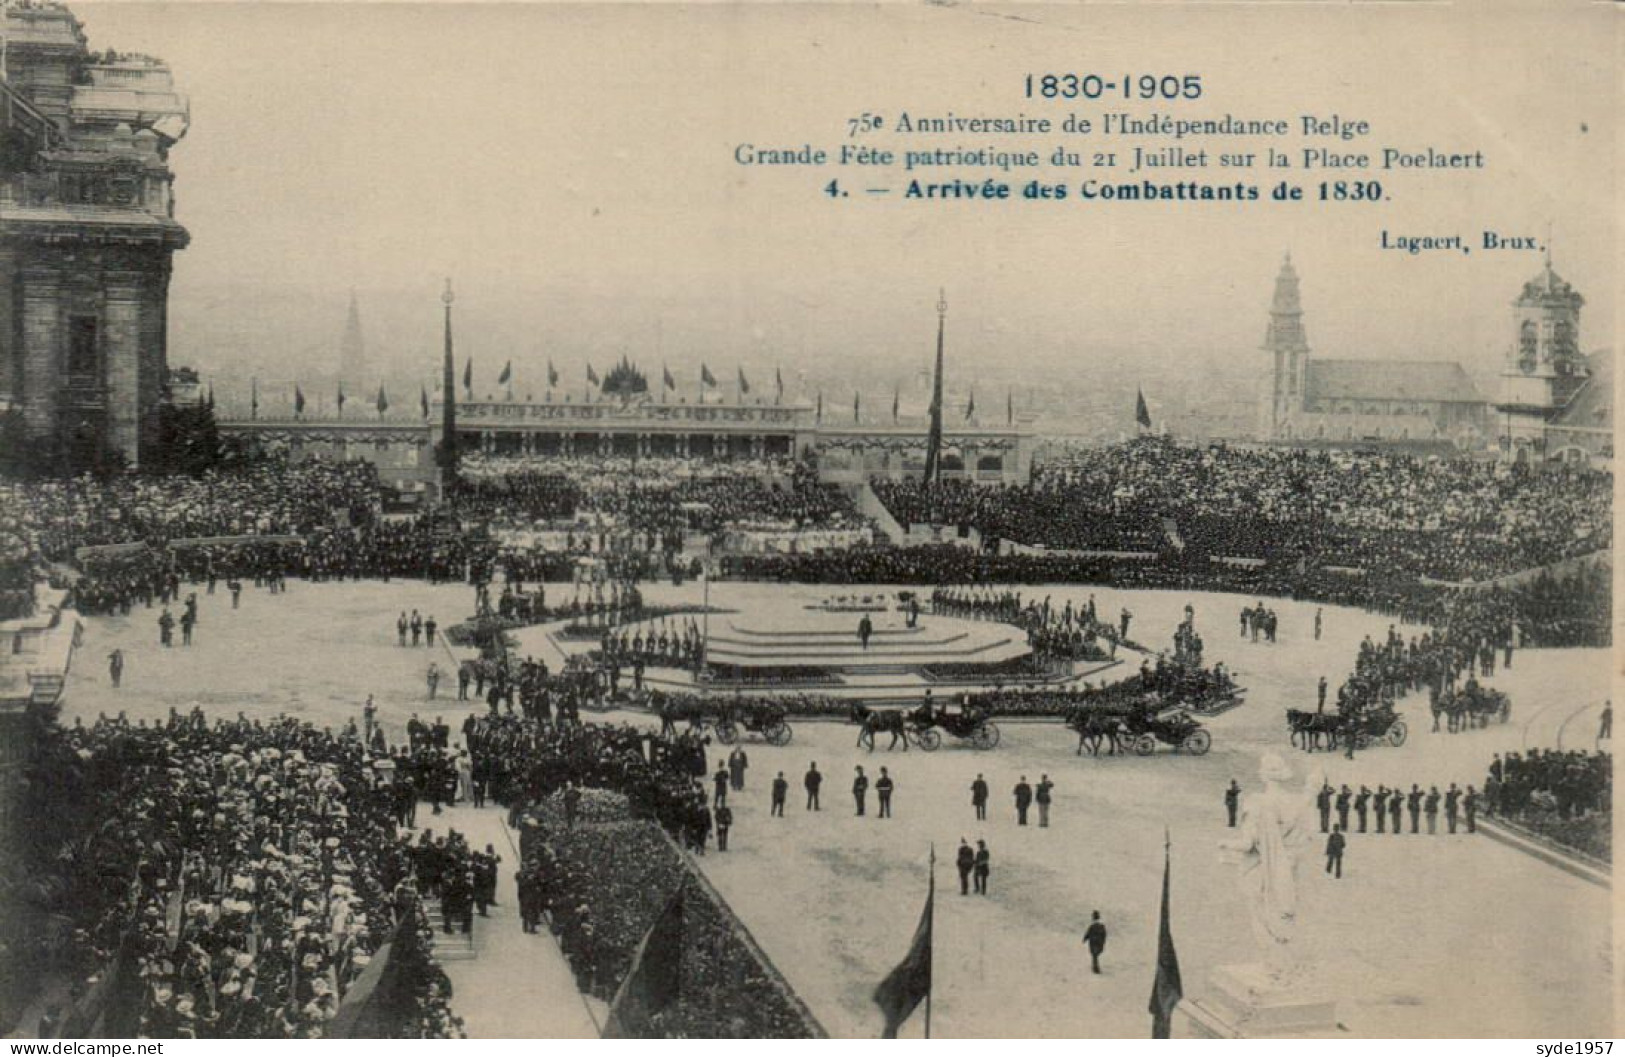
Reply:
x=341, y=398
x=507, y=373
x=707, y=379
x=970, y=406
x=910, y=983
x=365, y=1004
x=1010, y=407
x=468, y=374
x=254, y=398
x=298, y=400
x=857, y=402
x=656, y=978
x=383, y=401
x=778, y=383
x=592, y=375
x=423, y=400
x=744, y=386
x=552, y=375
x=820, y=416
x=1141, y=414
x=1166, y=991
x=896, y=397
x=666, y=378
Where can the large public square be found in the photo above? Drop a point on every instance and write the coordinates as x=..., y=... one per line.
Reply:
x=1423, y=936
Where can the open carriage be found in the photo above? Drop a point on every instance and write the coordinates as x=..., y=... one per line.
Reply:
x=972, y=726
x=763, y=718
x=1143, y=730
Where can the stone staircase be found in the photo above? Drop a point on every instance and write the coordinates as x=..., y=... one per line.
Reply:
x=456, y=947
x=869, y=505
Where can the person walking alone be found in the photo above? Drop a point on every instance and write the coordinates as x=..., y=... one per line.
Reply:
x=1094, y=937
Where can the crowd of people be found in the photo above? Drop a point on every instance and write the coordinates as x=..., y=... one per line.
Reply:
x=231, y=880
x=1450, y=519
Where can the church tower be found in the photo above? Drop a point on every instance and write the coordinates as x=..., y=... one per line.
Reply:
x=1284, y=340
x=1544, y=367
x=352, y=351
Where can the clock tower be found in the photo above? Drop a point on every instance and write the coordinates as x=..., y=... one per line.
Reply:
x=1544, y=366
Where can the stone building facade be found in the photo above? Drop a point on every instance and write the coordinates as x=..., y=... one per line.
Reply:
x=1308, y=399
x=87, y=232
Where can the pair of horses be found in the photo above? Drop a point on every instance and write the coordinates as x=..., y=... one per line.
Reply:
x=893, y=721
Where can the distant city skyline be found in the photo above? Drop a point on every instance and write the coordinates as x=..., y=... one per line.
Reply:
x=571, y=168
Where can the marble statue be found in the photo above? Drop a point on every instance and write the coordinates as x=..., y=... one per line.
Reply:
x=1274, y=827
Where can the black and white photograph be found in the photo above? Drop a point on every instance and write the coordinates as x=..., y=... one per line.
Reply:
x=936, y=520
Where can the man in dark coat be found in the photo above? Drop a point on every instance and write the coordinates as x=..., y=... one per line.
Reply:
x=1094, y=937
x=1414, y=801
x=1396, y=802
x=724, y=817
x=978, y=798
x=1334, y=852
x=781, y=789
x=883, y=788
x=966, y=861
x=811, y=783
x=1323, y=804
x=983, y=866
x=1343, y=798
x=1232, y=802
x=1024, y=798
x=860, y=789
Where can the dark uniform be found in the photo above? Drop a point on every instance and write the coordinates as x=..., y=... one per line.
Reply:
x=1452, y=801
x=983, y=867
x=1024, y=798
x=1334, y=852
x=811, y=783
x=1414, y=802
x=978, y=798
x=860, y=789
x=781, y=789
x=1095, y=938
x=1362, y=803
x=1381, y=804
x=1343, y=798
x=1323, y=804
x=884, y=788
x=1396, y=801
x=965, y=862
x=1232, y=802
x=724, y=816
x=1431, y=807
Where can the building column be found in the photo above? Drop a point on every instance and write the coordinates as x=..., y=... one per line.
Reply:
x=121, y=356
x=41, y=351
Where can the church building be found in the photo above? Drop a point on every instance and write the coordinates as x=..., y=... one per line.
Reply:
x=87, y=230
x=1309, y=399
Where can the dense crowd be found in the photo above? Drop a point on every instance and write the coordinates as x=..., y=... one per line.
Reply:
x=1452, y=519
x=229, y=881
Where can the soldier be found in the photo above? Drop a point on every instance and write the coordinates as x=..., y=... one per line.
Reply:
x=1396, y=801
x=811, y=783
x=1094, y=937
x=429, y=627
x=1323, y=804
x=983, y=866
x=416, y=626
x=781, y=789
x=115, y=667
x=737, y=762
x=1317, y=624
x=463, y=677
x=1122, y=623
x=235, y=586
x=1380, y=802
x=1362, y=803
x=1469, y=808
x=884, y=789
x=1431, y=807
x=1414, y=802
x=1334, y=852
x=1452, y=801
x=1232, y=802
x=720, y=781
x=965, y=861
x=1043, y=800
x=866, y=628
x=724, y=817
x=1343, y=798
x=1024, y=798
x=166, y=628
x=860, y=789
x=188, y=618
x=978, y=798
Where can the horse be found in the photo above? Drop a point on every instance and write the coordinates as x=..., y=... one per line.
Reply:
x=1096, y=728
x=1309, y=727
x=884, y=721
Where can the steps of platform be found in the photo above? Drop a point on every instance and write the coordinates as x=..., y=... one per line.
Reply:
x=452, y=947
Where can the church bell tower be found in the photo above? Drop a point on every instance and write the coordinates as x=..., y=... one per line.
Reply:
x=1284, y=340
x=1544, y=367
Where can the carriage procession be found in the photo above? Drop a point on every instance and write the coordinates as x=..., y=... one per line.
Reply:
x=924, y=726
x=1371, y=725
x=1470, y=707
x=727, y=720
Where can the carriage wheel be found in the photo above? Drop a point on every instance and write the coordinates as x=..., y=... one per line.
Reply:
x=1198, y=742
x=1396, y=733
x=777, y=733
x=985, y=736
x=928, y=739
x=726, y=732
x=1362, y=740
x=1145, y=745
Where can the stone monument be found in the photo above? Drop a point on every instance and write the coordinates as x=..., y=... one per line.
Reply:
x=1274, y=996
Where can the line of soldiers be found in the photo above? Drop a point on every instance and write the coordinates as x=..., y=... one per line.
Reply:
x=677, y=647
x=1388, y=806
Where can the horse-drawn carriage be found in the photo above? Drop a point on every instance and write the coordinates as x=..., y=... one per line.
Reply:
x=972, y=726
x=1316, y=730
x=758, y=717
x=1139, y=729
x=923, y=726
x=1472, y=706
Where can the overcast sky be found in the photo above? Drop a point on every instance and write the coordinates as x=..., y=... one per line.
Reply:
x=572, y=168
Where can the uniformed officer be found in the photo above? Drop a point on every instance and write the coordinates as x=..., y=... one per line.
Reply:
x=1334, y=852
x=1323, y=804
x=983, y=866
x=1343, y=798
x=883, y=789
x=1396, y=801
x=860, y=789
x=781, y=789
x=966, y=861
x=1431, y=807
x=811, y=783
x=724, y=817
x=1469, y=809
x=1452, y=802
x=978, y=798
x=1380, y=802
x=1042, y=798
x=1232, y=801
x=1095, y=938
x=1024, y=798
x=1362, y=803
x=1414, y=802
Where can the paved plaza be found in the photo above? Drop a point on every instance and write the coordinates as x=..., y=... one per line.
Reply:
x=1424, y=936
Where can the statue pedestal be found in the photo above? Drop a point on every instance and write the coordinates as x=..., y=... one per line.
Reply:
x=1245, y=1003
